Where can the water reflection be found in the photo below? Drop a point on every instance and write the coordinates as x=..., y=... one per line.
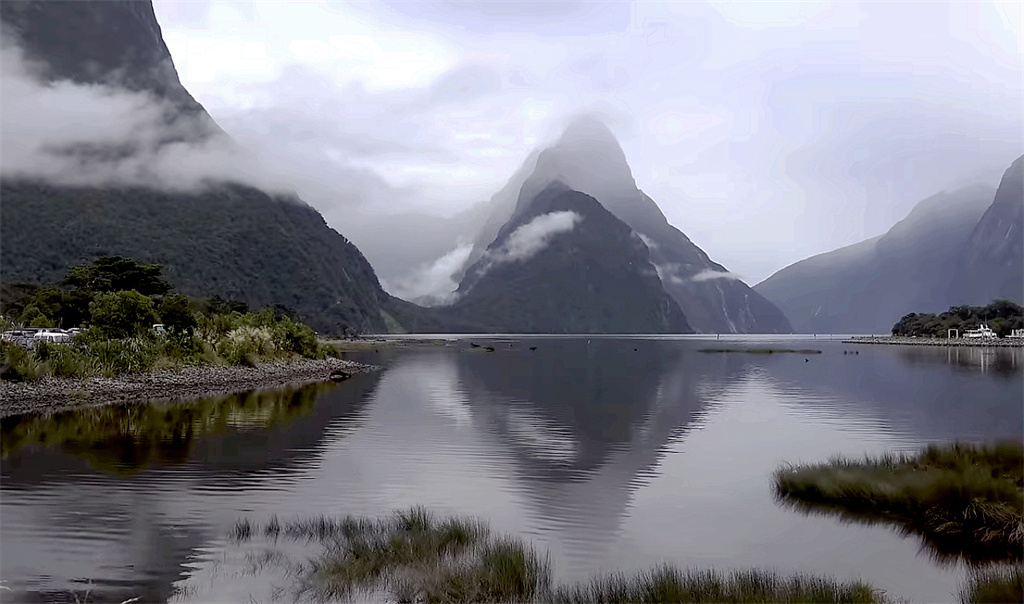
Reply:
x=128, y=438
x=113, y=503
x=590, y=449
x=998, y=362
x=587, y=423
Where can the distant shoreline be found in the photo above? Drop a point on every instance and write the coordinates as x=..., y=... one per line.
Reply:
x=952, y=342
x=52, y=395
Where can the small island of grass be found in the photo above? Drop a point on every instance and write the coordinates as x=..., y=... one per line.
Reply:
x=964, y=501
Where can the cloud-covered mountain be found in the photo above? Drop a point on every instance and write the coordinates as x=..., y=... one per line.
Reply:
x=992, y=263
x=565, y=264
x=587, y=158
x=105, y=152
x=868, y=286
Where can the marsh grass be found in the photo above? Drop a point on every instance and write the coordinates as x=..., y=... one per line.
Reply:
x=669, y=584
x=964, y=501
x=998, y=585
x=412, y=556
x=763, y=350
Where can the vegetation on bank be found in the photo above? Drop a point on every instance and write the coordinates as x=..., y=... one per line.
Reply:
x=120, y=300
x=1002, y=316
x=412, y=556
x=964, y=501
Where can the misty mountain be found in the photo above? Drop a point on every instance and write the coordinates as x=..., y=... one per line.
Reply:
x=868, y=286
x=227, y=239
x=588, y=158
x=565, y=264
x=992, y=263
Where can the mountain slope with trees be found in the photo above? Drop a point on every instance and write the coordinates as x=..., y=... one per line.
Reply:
x=231, y=240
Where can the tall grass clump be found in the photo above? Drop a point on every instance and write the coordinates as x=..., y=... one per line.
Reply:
x=1000, y=585
x=412, y=556
x=965, y=501
x=669, y=584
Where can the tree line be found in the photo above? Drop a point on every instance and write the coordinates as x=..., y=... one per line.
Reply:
x=1002, y=316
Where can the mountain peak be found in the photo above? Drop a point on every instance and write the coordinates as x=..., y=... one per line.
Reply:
x=588, y=129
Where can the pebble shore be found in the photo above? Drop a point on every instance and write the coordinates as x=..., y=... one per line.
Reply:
x=973, y=342
x=50, y=395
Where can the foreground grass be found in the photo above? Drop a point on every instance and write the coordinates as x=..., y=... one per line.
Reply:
x=670, y=584
x=413, y=556
x=996, y=585
x=965, y=501
x=763, y=350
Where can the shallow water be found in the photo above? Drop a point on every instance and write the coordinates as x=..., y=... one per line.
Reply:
x=610, y=453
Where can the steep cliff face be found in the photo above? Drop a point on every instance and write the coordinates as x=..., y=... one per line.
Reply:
x=589, y=159
x=232, y=240
x=868, y=286
x=564, y=264
x=992, y=263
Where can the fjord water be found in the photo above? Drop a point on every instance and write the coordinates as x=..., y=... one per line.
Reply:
x=611, y=453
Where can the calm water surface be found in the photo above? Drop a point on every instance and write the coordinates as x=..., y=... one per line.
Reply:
x=610, y=453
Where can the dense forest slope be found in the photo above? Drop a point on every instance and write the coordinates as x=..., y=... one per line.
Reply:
x=229, y=239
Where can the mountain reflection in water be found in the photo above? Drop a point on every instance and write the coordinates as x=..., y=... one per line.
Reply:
x=610, y=453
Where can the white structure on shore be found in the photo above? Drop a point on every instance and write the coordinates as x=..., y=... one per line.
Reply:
x=981, y=332
x=1016, y=333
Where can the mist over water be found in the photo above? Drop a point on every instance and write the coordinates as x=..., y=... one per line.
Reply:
x=610, y=453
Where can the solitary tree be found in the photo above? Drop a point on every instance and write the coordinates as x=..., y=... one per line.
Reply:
x=122, y=314
x=117, y=273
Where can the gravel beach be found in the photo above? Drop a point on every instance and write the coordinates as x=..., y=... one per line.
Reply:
x=50, y=395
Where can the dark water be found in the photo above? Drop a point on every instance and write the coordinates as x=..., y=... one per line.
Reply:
x=609, y=453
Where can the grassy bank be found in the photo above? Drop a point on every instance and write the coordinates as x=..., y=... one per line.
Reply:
x=229, y=339
x=130, y=322
x=964, y=501
x=414, y=556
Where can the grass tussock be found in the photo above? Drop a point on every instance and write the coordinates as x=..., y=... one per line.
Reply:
x=965, y=501
x=670, y=584
x=1000, y=585
x=412, y=556
x=763, y=350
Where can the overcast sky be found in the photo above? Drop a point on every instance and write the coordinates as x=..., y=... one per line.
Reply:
x=767, y=132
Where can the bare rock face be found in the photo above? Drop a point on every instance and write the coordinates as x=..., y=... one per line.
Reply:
x=587, y=158
x=565, y=264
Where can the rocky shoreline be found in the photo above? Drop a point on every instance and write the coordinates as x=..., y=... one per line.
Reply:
x=962, y=342
x=50, y=395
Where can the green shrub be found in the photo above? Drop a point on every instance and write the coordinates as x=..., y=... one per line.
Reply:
x=123, y=314
x=116, y=357
x=246, y=345
x=177, y=317
x=21, y=364
x=64, y=360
